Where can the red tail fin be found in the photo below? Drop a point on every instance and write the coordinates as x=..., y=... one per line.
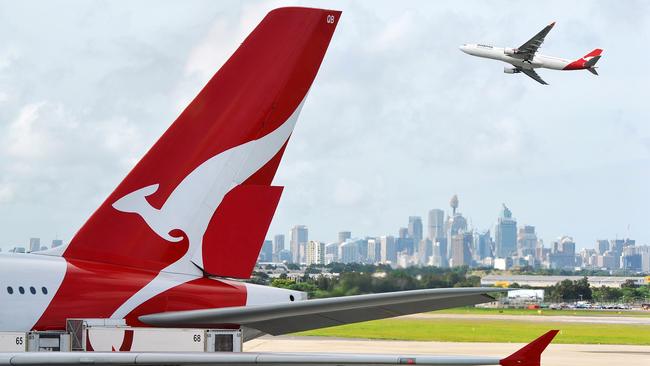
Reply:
x=530, y=354
x=593, y=53
x=232, y=134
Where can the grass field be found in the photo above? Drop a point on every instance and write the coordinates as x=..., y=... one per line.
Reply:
x=544, y=312
x=466, y=330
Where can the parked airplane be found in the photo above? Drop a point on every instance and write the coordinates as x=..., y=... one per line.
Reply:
x=525, y=59
x=170, y=245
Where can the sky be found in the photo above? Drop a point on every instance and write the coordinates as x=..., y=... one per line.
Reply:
x=397, y=121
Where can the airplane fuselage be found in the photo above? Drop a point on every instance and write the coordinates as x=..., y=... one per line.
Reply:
x=502, y=54
x=39, y=292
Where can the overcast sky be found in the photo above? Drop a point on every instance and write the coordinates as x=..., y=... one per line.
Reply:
x=397, y=121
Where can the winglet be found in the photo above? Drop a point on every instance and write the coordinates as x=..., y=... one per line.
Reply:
x=530, y=354
x=552, y=24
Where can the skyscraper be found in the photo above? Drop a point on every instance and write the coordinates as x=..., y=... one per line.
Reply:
x=315, y=253
x=526, y=241
x=34, y=244
x=415, y=229
x=344, y=235
x=388, y=250
x=57, y=243
x=505, y=234
x=266, y=254
x=461, y=249
x=482, y=245
x=299, y=238
x=436, y=224
x=278, y=243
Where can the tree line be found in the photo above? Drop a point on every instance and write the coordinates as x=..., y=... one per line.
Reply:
x=357, y=278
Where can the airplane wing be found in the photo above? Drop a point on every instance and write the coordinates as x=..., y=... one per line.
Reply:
x=533, y=75
x=527, y=50
x=529, y=355
x=283, y=318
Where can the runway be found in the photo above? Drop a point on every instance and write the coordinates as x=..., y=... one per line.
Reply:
x=539, y=318
x=555, y=355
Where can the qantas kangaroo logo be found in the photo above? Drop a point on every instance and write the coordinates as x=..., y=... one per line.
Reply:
x=193, y=202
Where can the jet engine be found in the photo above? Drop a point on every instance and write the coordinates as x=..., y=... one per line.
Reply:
x=511, y=70
x=510, y=51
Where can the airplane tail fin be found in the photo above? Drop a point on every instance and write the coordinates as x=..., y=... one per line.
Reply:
x=202, y=195
x=530, y=354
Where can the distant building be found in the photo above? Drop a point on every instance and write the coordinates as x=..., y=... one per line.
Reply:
x=349, y=252
x=374, y=250
x=461, y=253
x=34, y=244
x=17, y=250
x=602, y=246
x=526, y=241
x=436, y=224
x=546, y=281
x=563, y=255
x=315, y=253
x=388, y=250
x=403, y=233
x=278, y=243
x=331, y=253
x=266, y=254
x=344, y=235
x=299, y=238
x=415, y=228
x=425, y=251
x=505, y=234
x=57, y=243
x=482, y=245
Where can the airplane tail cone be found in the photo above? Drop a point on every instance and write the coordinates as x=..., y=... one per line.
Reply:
x=530, y=354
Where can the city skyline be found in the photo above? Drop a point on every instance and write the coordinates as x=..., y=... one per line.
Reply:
x=398, y=117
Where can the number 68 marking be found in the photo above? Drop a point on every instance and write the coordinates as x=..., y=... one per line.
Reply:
x=330, y=19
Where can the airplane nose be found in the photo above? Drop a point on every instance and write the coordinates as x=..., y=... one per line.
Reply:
x=463, y=48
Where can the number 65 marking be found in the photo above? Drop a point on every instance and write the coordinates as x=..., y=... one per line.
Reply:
x=330, y=19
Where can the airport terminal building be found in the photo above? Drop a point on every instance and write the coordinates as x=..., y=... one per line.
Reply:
x=547, y=281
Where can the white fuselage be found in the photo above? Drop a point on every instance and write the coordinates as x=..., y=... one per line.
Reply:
x=499, y=53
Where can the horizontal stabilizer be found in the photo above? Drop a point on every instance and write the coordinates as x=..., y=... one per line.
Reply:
x=592, y=62
x=593, y=71
x=298, y=316
x=530, y=354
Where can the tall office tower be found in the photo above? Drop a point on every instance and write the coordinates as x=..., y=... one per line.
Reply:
x=443, y=248
x=299, y=238
x=315, y=253
x=266, y=254
x=331, y=253
x=461, y=252
x=602, y=246
x=388, y=251
x=505, y=234
x=278, y=243
x=436, y=224
x=34, y=244
x=415, y=229
x=57, y=243
x=344, y=235
x=616, y=246
x=374, y=250
x=425, y=251
x=563, y=255
x=349, y=252
x=403, y=233
x=526, y=241
x=482, y=245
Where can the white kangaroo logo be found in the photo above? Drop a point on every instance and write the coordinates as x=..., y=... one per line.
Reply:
x=190, y=207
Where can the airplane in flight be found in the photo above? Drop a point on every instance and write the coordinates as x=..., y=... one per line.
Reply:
x=171, y=246
x=525, y=58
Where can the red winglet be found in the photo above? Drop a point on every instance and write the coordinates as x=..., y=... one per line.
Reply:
x=530, y=354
